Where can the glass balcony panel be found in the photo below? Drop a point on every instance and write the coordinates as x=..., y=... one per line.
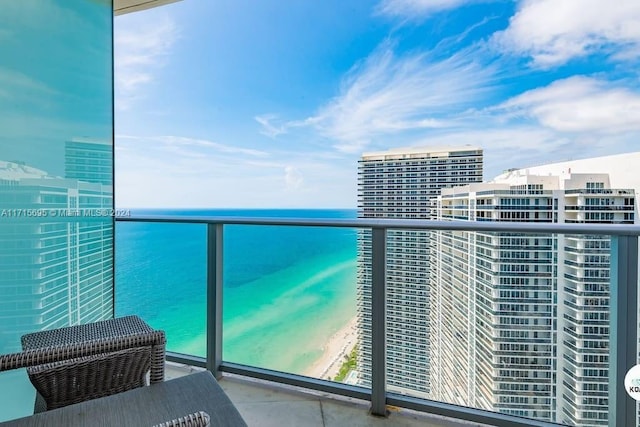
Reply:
x=16, y=394
x=290, y=299
x=161, y=276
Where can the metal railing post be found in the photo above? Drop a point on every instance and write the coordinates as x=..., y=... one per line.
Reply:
x=623, y=330
x=378, y=322
x=214, y=298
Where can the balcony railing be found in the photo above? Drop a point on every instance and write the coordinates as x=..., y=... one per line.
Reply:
x=623, y=338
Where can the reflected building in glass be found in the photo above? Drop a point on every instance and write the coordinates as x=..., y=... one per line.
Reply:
x=402, y=184
x=524, y=318
x=57, y=264
x=89, y=161
x=57, y=246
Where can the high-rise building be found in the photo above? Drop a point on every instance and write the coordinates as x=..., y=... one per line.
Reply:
x=524, y=318
x=402, y=184
x=57, y=248
x=89, y=160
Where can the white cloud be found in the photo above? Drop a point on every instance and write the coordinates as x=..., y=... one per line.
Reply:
x=577, y=117
x=191, y=147
x=417, y=8
x=387, y=95
x=223, y=148
x=503, y=143
x=268, y=128
x=43, y=15
x=158, y=174
x=553, y=32
x=140, y=48
x=580, y=104
x=509, y=145
x=169, y=171
x=20, y=87
x=293, y=178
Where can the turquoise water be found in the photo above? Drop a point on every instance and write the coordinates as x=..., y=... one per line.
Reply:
x=286, y=289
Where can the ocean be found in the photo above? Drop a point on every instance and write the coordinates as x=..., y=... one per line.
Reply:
x=286, y=289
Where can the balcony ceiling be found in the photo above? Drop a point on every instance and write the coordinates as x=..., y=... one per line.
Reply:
x=120, y=7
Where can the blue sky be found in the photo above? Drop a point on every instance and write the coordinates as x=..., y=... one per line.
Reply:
x=233, y=103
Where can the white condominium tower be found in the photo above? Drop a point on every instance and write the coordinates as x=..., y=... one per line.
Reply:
x=524, y=318
x=402, y=184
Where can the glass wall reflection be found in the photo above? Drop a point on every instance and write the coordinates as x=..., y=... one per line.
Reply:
x=56, y=165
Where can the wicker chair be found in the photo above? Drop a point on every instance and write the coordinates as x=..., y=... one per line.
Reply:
x=78, y=363
x=198, y=419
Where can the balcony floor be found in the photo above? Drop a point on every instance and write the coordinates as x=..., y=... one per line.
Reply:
x=267, y=404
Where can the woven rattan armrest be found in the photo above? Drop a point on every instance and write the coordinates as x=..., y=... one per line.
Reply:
x=197, y=419
x=102, y=337
x=27, y=358
x=65, y=383
x=65, y=371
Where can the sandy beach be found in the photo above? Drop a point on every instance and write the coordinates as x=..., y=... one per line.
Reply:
x=335, y=352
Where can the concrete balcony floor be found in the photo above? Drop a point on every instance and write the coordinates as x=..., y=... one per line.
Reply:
x=267, y=404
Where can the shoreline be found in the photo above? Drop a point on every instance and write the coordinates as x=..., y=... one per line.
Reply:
x=335, y=352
